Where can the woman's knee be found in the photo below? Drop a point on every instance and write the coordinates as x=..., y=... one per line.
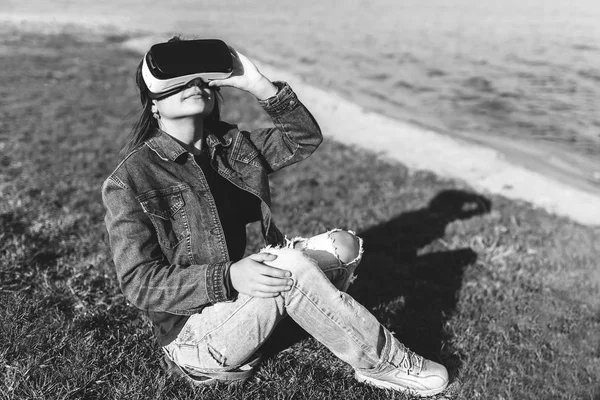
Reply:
x=347, y=246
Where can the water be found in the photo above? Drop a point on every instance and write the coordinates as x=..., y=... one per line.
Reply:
x=512, y=71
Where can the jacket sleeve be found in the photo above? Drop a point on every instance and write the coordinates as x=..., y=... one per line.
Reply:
x=296, y=134
x=145, y=276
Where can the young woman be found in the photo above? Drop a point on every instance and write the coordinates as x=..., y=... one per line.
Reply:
x=177, y=209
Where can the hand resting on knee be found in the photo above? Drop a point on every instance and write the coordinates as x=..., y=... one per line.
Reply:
x=252, y=277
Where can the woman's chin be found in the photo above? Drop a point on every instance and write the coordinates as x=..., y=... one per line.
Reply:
x=202, y=110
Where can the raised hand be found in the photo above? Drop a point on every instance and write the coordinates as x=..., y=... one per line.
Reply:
x=247, y=77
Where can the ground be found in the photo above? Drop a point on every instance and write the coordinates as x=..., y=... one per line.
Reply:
x=503, y=294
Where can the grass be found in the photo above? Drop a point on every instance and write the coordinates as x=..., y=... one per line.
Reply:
x=505, y=295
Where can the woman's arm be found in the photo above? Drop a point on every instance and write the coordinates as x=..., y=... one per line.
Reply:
x=145, y=276
x=296, y=134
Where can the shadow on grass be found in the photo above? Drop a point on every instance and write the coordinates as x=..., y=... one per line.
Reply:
x=412, y=294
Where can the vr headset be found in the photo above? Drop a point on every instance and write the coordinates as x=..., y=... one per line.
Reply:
x=168, y=67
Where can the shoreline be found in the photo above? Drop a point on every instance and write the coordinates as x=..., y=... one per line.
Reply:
x=528, y=173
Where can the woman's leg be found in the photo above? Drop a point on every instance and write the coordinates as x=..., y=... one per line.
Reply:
x=350, y=331
x=203, y=344
x=225, y=335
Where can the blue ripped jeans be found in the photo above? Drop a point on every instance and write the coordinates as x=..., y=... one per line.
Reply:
x=226, y=335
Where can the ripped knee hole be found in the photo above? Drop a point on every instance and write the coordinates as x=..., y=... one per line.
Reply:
x=347, y=246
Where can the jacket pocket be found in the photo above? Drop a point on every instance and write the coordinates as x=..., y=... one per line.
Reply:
x=167, y=213
x=246, y=154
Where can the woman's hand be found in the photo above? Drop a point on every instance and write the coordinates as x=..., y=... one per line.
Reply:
x=250, y=276
x=246, y=76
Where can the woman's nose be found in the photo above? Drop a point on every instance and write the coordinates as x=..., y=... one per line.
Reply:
x=195, y=82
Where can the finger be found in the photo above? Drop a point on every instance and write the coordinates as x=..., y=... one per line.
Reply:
x=261, y=257
x=222, y=82
x=273, y=289
x=274, y=272
x=270, y=281
x=264, y=295
x=215, y=83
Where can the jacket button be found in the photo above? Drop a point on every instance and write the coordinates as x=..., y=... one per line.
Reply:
x=214, y=231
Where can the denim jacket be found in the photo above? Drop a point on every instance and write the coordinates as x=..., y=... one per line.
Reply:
x=167, y=242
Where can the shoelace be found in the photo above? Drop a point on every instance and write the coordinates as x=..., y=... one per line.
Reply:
x=412, y=360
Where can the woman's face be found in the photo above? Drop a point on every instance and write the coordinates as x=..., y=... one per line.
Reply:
x=195, y=99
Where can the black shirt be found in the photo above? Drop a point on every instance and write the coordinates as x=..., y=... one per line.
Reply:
x=236, y=207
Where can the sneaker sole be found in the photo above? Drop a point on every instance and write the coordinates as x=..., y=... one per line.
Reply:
x=243, y=373
x=393, y=386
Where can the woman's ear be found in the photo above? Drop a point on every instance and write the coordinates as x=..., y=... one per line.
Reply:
x=155, y=112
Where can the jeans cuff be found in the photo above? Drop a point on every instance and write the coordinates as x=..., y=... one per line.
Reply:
x=385, y=355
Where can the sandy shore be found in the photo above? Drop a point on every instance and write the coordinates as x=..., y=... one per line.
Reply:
x=549, y=181
x=484, y=168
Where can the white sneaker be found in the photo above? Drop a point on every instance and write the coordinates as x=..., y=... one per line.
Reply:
x=415, y=375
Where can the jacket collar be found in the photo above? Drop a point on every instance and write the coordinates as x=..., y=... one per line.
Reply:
x=218, y=134
x=167, y=148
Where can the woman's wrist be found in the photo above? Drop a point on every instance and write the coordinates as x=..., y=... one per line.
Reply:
x=263, y=89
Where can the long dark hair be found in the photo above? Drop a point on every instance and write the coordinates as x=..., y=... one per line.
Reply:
x=147, y=126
